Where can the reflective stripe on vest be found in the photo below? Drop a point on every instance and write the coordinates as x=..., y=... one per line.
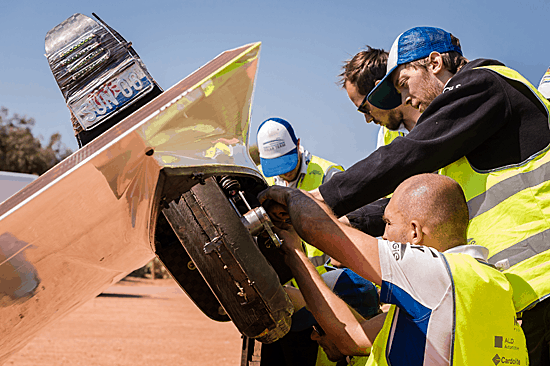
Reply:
x=484, y=324
x=510, y=213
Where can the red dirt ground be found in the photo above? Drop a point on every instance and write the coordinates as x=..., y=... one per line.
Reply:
x=135, y=322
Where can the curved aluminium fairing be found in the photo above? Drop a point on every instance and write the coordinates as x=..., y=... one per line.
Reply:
x=88, y=221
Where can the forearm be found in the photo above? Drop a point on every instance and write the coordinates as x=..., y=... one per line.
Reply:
x=342, y=325
x=295, y=296
x=310, y=217
x=314, y=222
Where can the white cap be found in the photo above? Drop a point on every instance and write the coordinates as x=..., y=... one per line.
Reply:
x=544, y=86
x=277, y=145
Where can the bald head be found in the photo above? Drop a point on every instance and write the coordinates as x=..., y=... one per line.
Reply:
x=437, y=204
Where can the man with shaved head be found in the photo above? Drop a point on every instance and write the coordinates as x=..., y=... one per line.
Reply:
x=448, y=305
x=432, y=204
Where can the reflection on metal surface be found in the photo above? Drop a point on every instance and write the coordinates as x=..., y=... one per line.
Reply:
x=88, y=221
x=256, y=221
x=11, y=183
x=18, y=276
x=195, y=129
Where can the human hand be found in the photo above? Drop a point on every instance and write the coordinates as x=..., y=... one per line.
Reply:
x=274, y=200
x=278, y=214
x=275, y=193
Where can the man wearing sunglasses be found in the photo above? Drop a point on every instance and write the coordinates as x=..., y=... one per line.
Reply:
x=449, y=307
x=359, y=76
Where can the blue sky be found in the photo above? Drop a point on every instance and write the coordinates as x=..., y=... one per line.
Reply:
x=304, y=44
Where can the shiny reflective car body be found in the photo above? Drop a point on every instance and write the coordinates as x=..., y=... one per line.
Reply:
x=91, y=219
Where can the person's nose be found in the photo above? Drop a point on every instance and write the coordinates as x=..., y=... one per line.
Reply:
x=385, y=235
x=405, y=97
x=314, y=336
x=368, y=118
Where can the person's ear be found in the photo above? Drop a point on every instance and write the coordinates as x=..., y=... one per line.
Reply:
x=436, y=63
x=298, y=144
x=416, y=236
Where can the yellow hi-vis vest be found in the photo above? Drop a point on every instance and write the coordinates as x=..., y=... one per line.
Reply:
x=322, y=359
x=318, y=171
x=510, y=213
x=485, y=330
x=390, y=135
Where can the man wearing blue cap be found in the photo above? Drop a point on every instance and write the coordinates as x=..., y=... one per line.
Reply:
x=449, y=307
x=485, y=126
x=284, y=160
x=361, y=295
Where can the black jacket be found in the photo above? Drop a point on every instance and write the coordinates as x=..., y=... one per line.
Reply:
x=481, y=115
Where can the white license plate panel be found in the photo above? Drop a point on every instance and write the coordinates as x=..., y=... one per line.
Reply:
x=119, y=91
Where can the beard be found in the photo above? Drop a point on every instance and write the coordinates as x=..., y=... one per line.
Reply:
x=432, y=87
x=395, y=119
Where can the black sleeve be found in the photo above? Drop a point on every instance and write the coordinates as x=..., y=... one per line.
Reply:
x=472, y=107
x=368, y=218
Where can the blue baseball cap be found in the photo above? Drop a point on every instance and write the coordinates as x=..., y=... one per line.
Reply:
x=278, y=148
x=357, y=292
x=412, y=45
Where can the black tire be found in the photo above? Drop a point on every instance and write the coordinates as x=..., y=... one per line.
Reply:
x=236, y=271
x=176, y=260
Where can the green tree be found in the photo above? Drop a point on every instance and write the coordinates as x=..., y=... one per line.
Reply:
x=22, y=152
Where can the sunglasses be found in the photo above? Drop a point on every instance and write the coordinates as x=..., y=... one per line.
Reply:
x=364, y=109
x=317, y=328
